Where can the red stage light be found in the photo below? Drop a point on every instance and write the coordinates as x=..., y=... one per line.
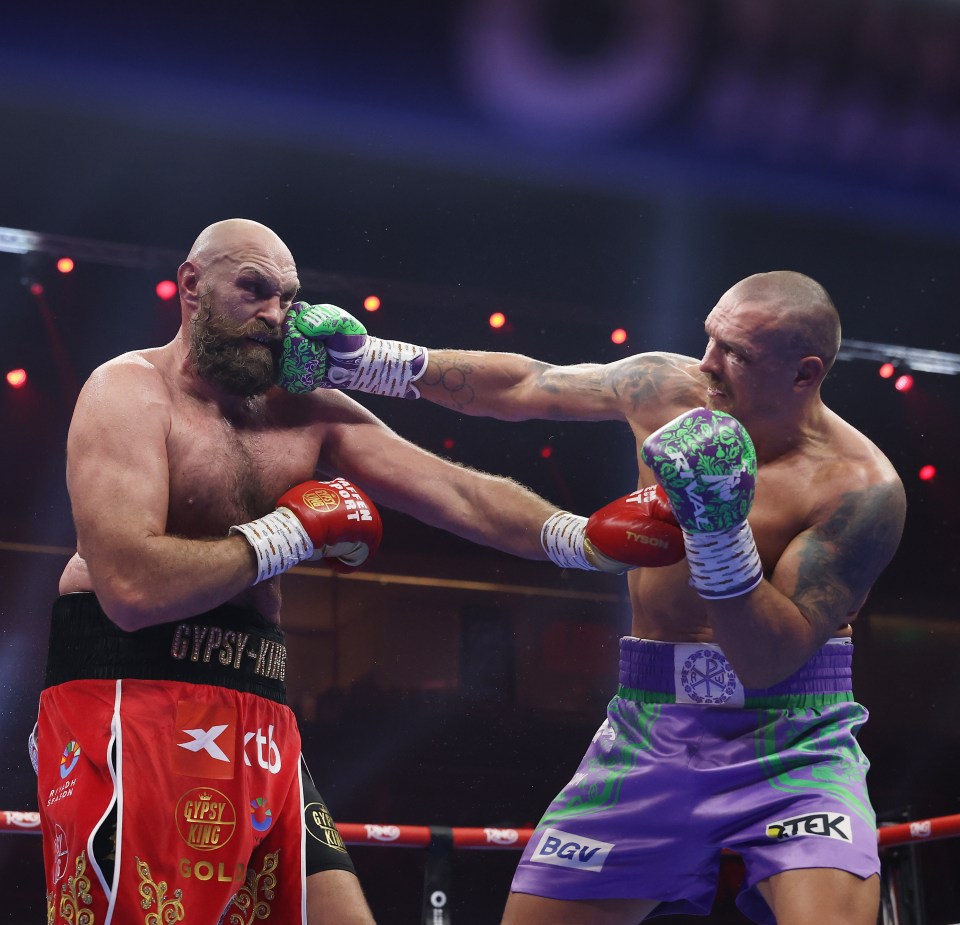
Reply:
x=547, y=452
x=927, y=473
x=498, y=320
x=166, y=289
x=17, y=378
x=65, y=265
x=371, y=303
x=36, y=289
x=449, y=443
x=619, y=336
x=904, y=383
x=887, y=370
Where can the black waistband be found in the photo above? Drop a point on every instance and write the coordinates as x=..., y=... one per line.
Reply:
x=227, y=647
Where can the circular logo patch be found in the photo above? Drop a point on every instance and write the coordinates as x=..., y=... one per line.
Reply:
x=321, y=499
x=707, y=677
x=206, y=818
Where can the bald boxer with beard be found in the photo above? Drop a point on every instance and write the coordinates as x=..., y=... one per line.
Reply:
x=734, y=724
x=171, y=784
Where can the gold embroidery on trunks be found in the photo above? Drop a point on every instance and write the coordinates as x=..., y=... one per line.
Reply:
x=51, y=908
x=247, y=897
x=168, y=910
x=76, y=893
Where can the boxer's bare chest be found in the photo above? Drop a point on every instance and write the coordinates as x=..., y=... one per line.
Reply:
x=228, y=469
x=789, y=495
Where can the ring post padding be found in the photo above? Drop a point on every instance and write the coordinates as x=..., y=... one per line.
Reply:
x=438, y=878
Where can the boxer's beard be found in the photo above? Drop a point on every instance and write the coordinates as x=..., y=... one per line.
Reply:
x=225, y=355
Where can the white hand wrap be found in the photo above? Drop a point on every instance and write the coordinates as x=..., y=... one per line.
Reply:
x=278, y=539
x=563, y=537
x=385, y=367
x=32, y=749
x=725, y=564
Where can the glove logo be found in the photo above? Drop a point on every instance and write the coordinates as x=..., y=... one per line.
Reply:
x=321, y=499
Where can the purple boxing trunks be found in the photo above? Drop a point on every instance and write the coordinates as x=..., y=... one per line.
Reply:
x=689, y=762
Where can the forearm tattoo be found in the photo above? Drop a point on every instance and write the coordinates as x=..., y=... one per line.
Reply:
x=452, y=376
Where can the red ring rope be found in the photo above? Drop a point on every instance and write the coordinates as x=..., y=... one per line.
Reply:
x=418, y=836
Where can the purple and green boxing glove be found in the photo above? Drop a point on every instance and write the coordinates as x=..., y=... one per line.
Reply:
x=706, y=463
x=325, y=347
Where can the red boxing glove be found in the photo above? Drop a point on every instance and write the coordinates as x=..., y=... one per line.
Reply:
x=637, y=531
x=341, y=521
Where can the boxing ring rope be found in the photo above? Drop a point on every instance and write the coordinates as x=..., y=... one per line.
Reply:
x=420, y=836
x=901, y=891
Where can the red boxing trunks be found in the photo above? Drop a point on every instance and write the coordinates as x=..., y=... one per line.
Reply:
x=171, y=786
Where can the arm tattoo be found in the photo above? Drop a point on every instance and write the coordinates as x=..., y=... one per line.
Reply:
x=453, y=378
x=651, y=379
x=844, y=555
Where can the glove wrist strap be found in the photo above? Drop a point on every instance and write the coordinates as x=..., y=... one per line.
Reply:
x=385, y=367
x=279, y=541
x=724, y=564
x=563, y=539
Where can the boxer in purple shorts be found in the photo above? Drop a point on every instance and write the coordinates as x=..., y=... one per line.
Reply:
x=778, y=779
x=735, y=722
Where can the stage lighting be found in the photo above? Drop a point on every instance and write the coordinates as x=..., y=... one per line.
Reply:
x=65, y=265
x=887, y=370
x=497, y=320
x=449, y=443
x=546, y=452
x=371, y=303
x=36, y=289
x=927, y=473
x=904, y=383
x=17, y=378
x=166, y=289
x=618, y=336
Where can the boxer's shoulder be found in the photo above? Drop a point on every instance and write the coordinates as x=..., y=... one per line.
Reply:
x=137, y=382
x=654, y=387
x=145, y=367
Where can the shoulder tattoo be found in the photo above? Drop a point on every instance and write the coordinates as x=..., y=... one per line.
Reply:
x=647, y=379
x=843, y=556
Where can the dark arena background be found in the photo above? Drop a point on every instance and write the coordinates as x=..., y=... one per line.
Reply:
x=579, y=168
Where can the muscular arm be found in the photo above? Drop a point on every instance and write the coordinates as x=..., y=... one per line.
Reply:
x=517, y=388
x=117, y=475
x=485, y=509
x=820, y=581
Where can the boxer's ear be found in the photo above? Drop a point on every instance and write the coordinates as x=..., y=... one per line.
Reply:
x=188, y=282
